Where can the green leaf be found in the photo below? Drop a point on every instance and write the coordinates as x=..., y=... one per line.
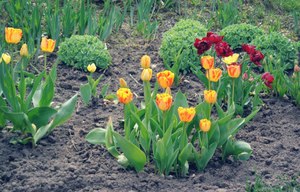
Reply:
x=62, y=115
x=135, y=156
x=86, y=93
x=40, y=116
x=96, y=136
x=47, y=92
x=185, y=153
x=109, y=140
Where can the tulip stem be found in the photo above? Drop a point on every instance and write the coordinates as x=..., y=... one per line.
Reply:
x=204, y=140
x=45, y=63
x=232, y=94
x=208, y=80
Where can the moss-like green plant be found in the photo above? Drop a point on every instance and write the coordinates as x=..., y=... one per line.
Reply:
x=279, y=46
x=81, y=50
x=179, y=41
x=239, y=34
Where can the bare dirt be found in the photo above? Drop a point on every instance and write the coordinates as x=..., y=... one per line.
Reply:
x=64, y=161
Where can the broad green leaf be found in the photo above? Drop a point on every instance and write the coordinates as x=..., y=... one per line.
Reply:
x=135, y=156
x=40, y=116
x=96, y=136
x=47, y=92
x=185, y=153
x=31, y=98
x=86, y=93
x=109, y=140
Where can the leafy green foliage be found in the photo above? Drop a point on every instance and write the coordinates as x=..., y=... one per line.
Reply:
x=239, y=34
x=81, y=50
x=279, y=46
x=179, y=41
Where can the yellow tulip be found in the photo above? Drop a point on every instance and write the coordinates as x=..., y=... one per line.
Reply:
x=205, y=125
x=231, y=59
x=165, y=78
x=13, y=35
x=186, y=114
x=6, y=58
x=164, y=101
x=210, y=96
x=47, y=45
x=145, y=62
x=124, y=95
x=214, y=74
x=207, y=62
x=234, y=71
x=24, y=50
x=146, y=74
x=91, y=68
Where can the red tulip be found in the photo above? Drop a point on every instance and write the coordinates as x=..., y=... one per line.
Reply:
x=202, y=45
x=223, y=49
x=250, y=49
x=256, y=57
x=214, y=38
x=268, y=79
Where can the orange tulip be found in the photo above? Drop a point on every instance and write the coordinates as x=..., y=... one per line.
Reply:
x=210, y=96
x=123, y=83
x=165, y=78
x=47, y=45
x=234, y=70
x=146, y=74
x=207, y=62
x=164, y=101
x=145, y=61
x=214, y=74
x=205, y=125
x=124, y=95
x=186, y=114
x=13, y=35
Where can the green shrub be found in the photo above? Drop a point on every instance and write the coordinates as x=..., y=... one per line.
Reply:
x=279, y=46
x=181, y=38
x=81, y=50
x=239, y=34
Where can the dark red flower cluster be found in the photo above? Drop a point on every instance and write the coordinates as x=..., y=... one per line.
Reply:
x=268, y=79
x=204, y=44
x=255, y=55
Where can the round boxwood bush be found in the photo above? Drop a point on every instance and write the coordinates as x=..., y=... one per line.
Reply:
x=79, y=51
x=181, y=37
x=238, y=34
x=279, y=46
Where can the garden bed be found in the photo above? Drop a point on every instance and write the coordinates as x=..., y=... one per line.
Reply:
x=65, y=161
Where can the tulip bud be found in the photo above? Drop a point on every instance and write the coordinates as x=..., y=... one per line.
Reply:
x=6, y=58
x=123, y=83
x=168, y=91
x=91, y=68
x=146, y=74
x=34, y=127
x=205, y=125
x=245, y=76
x=145, y=61
x=296, y=68
x=24, y=50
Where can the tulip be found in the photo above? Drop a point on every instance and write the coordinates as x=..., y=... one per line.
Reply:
x=214, y=74
x=6, y=58
x=164, y=101
x=223, y=49
x=124, y=95
x=249, y=49
x=231, y=59
x=186, y=114
x=256, y=57
x=91, y=68
x=202, y=45
x=207, y=62
x=234, y=70
x=205, y=125
x=145, y=61
x=214, y=38
x=245, y=76
x=47, y=45
x=13, y=35
x=296, y=68
x=210, y=96
x=123, y=83
x=24, y=50
x=146, y=74
x=165, y=78
x=268, y=79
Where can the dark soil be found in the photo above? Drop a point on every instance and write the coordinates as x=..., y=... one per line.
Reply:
x=64, y=161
